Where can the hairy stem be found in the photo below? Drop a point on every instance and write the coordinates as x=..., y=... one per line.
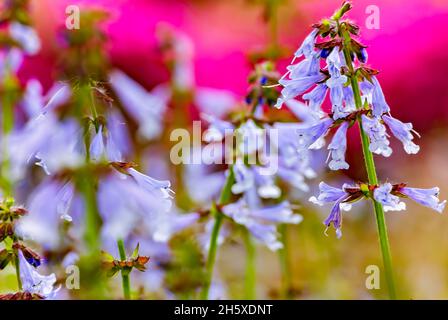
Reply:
x=124, y=276
x=372, y=176
x=226, y=193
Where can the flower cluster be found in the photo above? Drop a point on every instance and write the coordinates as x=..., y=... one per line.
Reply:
x=387, y=194
x=259, y=142
x=356, y=97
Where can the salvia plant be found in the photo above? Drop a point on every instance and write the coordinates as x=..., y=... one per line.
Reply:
x=356, y=100
x=77, y=157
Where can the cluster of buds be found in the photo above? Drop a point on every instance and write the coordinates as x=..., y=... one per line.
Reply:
x=9, y=215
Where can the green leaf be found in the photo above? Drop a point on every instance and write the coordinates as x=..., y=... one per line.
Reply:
x=135, y=253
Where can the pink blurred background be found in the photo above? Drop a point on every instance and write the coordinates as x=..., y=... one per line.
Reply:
x=409, y=48
x=410, y=51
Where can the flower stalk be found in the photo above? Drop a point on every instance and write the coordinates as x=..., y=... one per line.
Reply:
x=124, y=275
x=371, y=174
x=225, y=196
x=250, y=274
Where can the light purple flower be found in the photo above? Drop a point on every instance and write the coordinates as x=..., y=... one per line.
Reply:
x=35, y=283
x=146, y=108
x=26, y=36
x=338, y=147
x=261, y=222
x=402, y=131
x=309, y=136
x=297, y=86
x=244, y=178
x=316, y=97
x=336, y=85
x=158, y=187
x=97, y=145
x=379, y=143
x=329, y=194
x=383, y=195
x=33, y=99
x=307, y=46
x=217, y=129
x=335, y=218
x=426, y=197
x=379, y=104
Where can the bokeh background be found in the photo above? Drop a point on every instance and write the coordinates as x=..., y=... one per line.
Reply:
x=409, y=49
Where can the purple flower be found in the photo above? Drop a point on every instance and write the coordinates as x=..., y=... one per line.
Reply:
x=146, y=108
x=153, y=186
x=379, y=143
x=379, y=104
x=99, y=149
x=26, y=37
x=33, y=99
x=342, y=199
x=35, y=283
x=297, y=86
x=307, y=47
x=336, y=85
x=97, y=145
x=307, y=67
x=261, y=222
x=338, y=147
x=217, y=129
x=309, y=136
x=335, y=218
x=316, y=97
x=383, y=195
x=328, y=194
x=402, y=131
x=426, y=197
x=50, y=204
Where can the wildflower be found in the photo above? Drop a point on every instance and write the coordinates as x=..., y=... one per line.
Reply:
x=338, y=147
x=249, y=138
x=153, y=186
x=342, y=199
x=426, y=197
x=402, y=131
x=35, y=283
x=309, y=137
x=336, y=85
x=390, y=202
x=261, y=222
x=26, y=36
x=98, y=148
x=379, y=143
x=387, y=194
x=379, y=104
x=316, y=97
x=146, y=108
x=217, y=129
x=307, y=47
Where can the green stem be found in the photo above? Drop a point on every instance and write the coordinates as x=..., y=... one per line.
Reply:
x=284, y=263
x=250, y=276
x=225, y=196
x=372, y=176
x=17, y=267
x=9, y=97
x=124, y=276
